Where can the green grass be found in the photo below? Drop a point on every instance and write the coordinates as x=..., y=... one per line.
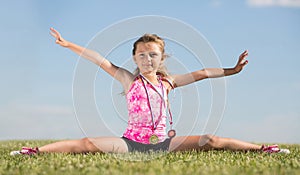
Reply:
x=211, y=162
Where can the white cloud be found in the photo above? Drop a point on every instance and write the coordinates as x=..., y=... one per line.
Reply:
x=266, y=3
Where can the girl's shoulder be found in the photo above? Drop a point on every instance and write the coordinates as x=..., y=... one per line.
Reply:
x=135, y=81
x=169, y=81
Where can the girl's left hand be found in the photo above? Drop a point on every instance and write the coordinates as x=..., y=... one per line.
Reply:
x=242, y=62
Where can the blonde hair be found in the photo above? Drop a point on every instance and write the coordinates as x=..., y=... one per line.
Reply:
x=162, y=70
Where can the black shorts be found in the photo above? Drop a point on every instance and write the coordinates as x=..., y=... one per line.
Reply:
x=134, y=146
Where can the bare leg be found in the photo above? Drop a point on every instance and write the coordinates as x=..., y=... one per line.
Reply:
x=210, y=142
x=101, y=144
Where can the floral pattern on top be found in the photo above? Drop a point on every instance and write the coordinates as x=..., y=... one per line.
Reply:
x=140, y=126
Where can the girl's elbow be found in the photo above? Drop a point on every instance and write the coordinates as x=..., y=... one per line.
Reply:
x=202, y=74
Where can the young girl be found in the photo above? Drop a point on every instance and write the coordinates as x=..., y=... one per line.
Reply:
x=146, y=94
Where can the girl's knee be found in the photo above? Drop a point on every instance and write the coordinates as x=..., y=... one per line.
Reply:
x=88, y=145
x=210, y=140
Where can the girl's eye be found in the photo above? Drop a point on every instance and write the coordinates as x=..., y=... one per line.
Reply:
x=141, y=55
x=152, y=55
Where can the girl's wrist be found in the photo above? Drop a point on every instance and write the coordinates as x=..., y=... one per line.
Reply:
x=231, y=71
x=236, y=70
x=67, y=44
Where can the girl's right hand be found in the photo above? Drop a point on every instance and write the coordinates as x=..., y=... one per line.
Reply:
x=59, y=40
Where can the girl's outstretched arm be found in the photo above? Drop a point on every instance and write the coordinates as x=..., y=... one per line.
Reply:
x=181, y=80
x=124, y=76
x=86, y=53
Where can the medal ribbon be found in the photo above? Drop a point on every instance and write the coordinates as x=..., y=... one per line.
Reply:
x=161, y=95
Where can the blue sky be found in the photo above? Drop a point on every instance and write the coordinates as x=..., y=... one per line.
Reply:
x=262, y=102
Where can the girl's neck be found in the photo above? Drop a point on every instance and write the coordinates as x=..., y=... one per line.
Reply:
x=152, y=78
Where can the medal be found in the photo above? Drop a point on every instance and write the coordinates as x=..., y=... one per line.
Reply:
x=153, y=139
x=171, y=133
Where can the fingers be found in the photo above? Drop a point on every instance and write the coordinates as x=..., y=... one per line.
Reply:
x=55, y=33
x=59, y=40
x=244, y=54
x=242, y=58
x=244, y=62
x=52, y=32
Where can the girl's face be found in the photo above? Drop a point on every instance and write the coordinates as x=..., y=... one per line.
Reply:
x=148, y=57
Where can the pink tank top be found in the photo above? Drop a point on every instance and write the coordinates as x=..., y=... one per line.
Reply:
x=140, y=124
